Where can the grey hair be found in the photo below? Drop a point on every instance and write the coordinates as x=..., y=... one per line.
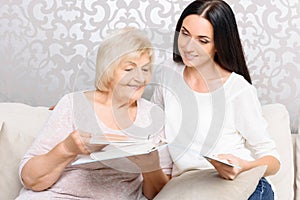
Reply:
x=117, y=46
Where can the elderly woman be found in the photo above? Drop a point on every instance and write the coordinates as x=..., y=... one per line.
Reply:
x=123, y=69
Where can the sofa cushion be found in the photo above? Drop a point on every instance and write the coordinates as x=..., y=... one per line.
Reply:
x=20, y=125
x=207, y=184
x=277, y=117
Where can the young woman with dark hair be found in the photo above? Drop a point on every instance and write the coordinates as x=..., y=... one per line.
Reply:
x=229, y=52
x=210, y=106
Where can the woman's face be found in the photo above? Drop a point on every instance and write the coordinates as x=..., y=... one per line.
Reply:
x=131, y=77
x=196, y=41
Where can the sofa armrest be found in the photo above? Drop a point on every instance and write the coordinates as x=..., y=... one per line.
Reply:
x=277, y=117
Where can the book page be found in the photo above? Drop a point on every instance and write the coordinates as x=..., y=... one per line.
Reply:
x=119, y=151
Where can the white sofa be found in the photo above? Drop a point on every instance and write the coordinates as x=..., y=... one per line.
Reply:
x=19, y=124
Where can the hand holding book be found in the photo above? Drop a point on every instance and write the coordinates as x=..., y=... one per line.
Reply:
x=118, y=146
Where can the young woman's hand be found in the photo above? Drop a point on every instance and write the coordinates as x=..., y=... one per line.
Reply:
x=78, y=142
x=226, y=171
x=147, y=162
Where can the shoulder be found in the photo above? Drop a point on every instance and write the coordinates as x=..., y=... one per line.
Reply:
x=239, y=80
x=167, y=70
x=239, y=83
x=68, y=98
x=238, y=86
x=168, y=65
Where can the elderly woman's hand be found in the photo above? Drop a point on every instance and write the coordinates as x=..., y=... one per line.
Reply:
x=78, y=142
x=147, y=162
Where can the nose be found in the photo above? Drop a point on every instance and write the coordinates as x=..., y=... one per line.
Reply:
x=139, y=75
x=190, y=45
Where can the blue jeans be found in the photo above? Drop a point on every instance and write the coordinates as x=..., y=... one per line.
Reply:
x=263, y=191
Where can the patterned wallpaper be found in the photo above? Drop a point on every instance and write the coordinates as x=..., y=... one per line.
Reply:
x=48, y=47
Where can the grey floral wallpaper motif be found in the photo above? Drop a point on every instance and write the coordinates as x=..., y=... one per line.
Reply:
x=48, y=47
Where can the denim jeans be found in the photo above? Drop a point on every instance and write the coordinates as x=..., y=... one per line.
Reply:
x=263, y=191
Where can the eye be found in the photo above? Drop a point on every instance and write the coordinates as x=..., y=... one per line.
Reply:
x=146, y=68
x=128, y=68
x=184, y=32
x=203, y=41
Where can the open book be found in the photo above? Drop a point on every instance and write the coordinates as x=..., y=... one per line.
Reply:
x=118, y=148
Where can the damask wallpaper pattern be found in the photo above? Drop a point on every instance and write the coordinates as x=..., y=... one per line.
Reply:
x=48, y=47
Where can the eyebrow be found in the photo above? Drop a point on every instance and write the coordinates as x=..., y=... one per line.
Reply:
x=133, y=63
x=199, y=36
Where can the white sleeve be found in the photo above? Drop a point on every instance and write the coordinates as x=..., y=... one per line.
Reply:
x=251, y=124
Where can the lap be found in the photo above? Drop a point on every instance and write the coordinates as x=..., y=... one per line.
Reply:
x=263, y=191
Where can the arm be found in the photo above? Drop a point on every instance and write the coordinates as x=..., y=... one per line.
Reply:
x=153, y=182
x=272, y=163
x=230, y=173
x=254, y=128
x=250, y=123
x=42, y=171
x=153, y=176
x=55, y=147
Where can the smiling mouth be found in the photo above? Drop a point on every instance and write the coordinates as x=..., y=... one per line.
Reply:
x=136, y=87
x=189, y=56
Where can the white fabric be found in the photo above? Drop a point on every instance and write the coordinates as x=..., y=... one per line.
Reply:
x=297, y=161
x=112, y=179
x=19, y=125
x=279, y=128
x=240, y=121
x=207, y=185
x=296, y=138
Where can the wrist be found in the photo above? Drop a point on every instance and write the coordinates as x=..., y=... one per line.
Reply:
x=65, y=151
x=151, y=170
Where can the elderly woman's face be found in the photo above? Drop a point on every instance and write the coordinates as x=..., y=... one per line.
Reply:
x=131, y=77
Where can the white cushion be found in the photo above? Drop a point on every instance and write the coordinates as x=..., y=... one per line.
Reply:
x=19, y=124
x=207, y=184
x=277, y=117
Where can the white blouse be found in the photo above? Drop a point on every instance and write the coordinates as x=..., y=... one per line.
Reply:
x=225, y=121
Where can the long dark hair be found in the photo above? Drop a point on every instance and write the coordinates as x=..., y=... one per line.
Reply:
x=229, y=52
